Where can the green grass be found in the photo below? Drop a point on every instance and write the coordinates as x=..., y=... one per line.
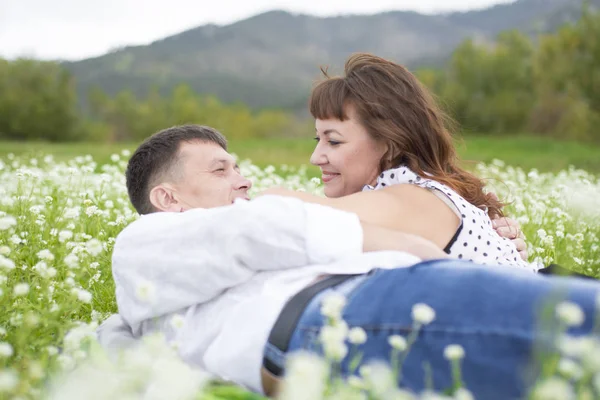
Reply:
x=70, y=279
x=526, y=152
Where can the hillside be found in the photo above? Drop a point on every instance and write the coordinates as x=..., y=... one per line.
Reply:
x=271, y=59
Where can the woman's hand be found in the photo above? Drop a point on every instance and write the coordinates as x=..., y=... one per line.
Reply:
x=510, y=229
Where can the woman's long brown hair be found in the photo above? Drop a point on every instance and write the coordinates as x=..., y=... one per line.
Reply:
x=394, y=107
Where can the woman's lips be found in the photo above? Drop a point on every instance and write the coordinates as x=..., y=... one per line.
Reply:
x=328, y=176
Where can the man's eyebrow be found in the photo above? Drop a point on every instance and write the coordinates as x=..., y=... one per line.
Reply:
x=217, y=161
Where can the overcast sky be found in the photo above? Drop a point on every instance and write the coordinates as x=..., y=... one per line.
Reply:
x=77, y=29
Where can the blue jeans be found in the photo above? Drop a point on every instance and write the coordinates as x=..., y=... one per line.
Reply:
x=492, y=312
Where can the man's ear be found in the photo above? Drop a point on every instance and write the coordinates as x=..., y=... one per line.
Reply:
x=162, y=199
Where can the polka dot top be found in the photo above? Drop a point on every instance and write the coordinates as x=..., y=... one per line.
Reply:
x=475, y=240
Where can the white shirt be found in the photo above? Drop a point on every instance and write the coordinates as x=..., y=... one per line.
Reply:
x=228, y=272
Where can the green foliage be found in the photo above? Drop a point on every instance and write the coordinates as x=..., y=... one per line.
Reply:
x=130, y=119
x=550, y=88
x=37, y=101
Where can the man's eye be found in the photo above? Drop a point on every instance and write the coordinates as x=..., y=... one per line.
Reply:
x=316, y=139
x=220, y=170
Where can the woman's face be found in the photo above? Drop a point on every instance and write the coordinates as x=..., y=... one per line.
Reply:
x=348, y=156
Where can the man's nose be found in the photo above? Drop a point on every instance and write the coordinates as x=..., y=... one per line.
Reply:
x=242, y=183
x=318, y=157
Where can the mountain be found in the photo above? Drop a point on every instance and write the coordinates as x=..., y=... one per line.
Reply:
x=270, y=60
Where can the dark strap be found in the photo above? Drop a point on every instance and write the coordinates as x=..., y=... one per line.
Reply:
x=555, y=269
x=290, y=315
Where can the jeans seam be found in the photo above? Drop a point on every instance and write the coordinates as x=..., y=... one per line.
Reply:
x=404, y=328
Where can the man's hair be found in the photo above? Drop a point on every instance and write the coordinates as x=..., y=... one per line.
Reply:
x=158, y=156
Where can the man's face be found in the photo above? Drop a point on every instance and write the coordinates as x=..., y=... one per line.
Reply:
x=207, y=176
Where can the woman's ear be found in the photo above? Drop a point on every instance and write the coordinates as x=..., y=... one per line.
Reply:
x=390, y=157
x=162, y=199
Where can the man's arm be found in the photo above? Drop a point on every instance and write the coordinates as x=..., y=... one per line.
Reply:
x=167, y=261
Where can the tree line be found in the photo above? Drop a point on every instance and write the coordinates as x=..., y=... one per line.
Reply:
x=548, y=85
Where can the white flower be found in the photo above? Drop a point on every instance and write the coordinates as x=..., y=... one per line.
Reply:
x=8, y=380
x=397, y=342
x=365, y=371
x=454, y=352
x=591, y=359
x=6, y=349
x=21, y=289
x=422, y=313
x=576, y=346
x=114, y=157
x=4, y=250
x=463, y=394
x=356, y=382
x=35, y=370
x=91, y=210
x=6, y=263
x=72, y=261
x=336, y=351
x=379, y=379
x=332, y=305
x=553, y=389
x=65, y=235
x=66, y=362
x=542, y=234
x=305, y=378
x=145, y=292
x=94, y=247
x=570, y=313
x=72, y=213
x=333, y=338
x=177, y=322
x=569, y=369
x=596, y=382
x=45, y=255
x=357, y=335
x=6, y=222
x=430, y=395
x=84, y=296
x=32, y=319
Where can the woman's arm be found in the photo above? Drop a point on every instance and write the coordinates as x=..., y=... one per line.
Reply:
x=378, y=209
x=405, y=208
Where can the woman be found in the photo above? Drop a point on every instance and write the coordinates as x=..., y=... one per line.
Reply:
x=386, y=153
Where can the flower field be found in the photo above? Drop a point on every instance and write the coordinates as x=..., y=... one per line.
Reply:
x=58, y=221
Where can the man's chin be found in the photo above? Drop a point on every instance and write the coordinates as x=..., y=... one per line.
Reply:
x=246, y=198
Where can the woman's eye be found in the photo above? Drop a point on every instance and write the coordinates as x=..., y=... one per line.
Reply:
x=334, y=143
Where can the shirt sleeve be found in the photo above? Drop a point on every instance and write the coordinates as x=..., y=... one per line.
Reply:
x=164, y=262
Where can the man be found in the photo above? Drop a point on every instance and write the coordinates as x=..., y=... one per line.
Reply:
x=218, y=280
